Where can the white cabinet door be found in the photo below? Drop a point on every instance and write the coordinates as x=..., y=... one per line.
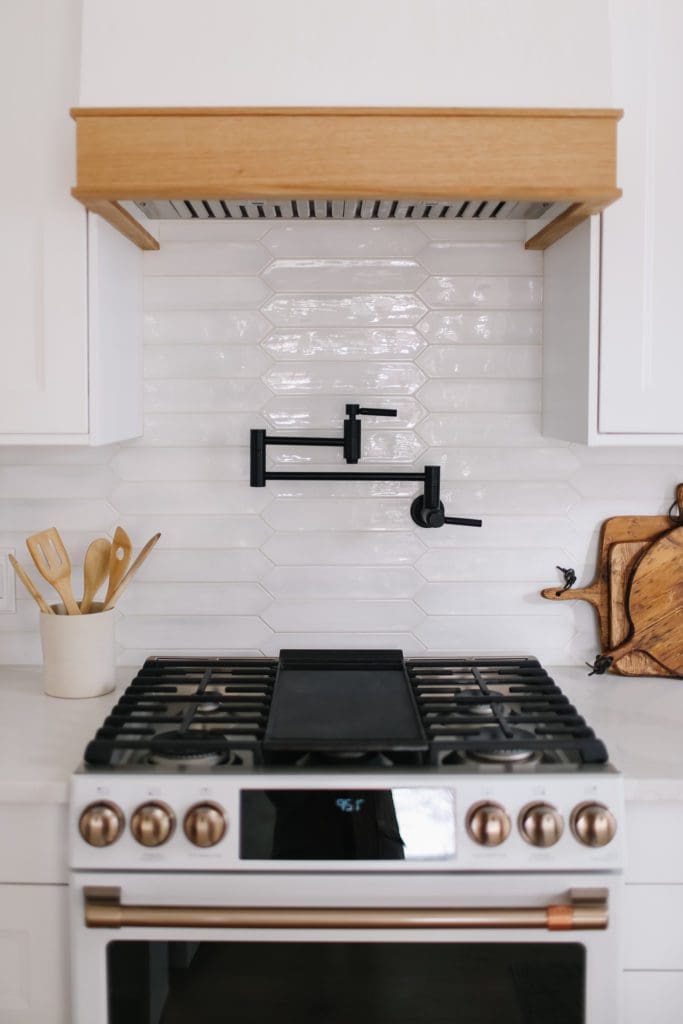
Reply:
x=43, y=339
x=34, y=965
x=641, y=331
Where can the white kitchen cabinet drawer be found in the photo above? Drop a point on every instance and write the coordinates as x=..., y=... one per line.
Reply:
x=653, y=928
x=70, y=293
x=653, y=996
x=34, y=982
x=655, y=840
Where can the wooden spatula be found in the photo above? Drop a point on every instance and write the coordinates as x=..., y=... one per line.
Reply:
x=52, y=562
x=31, y=587
x=119, y=560
x=655, y=604
x=131, y=572
x=95, y=571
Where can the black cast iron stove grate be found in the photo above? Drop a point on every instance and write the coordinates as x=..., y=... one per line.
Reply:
x=491, y=708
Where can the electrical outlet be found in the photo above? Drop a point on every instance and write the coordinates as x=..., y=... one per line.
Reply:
x=7, y=582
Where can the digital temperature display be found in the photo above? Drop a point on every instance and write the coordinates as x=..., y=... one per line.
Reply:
x=350, y=804
x=326, y=824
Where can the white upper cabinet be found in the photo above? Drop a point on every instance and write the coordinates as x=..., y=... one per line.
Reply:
x=55, y=350
x=613, y=319
x=458, y=53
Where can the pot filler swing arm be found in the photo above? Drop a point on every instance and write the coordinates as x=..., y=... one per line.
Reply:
x=426, y=509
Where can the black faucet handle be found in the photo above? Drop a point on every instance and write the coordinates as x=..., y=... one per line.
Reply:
x=459, y=521
x=376, y=412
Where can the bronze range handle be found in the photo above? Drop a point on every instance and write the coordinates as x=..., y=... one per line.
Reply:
x=586, y=909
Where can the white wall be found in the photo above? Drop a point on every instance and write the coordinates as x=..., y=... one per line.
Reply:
x=278, y=325
x=356, y=52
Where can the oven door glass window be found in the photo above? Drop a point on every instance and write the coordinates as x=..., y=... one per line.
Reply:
x=345, y=983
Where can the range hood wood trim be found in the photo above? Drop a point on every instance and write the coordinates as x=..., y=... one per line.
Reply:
x=222, y=153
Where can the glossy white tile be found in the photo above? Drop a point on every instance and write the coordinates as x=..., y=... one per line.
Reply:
x=218, y=395
x=344, y=310
x=480, y=598
x=204, y=292
x=491, y=361
x=491, y=292
x=378, y=378
x=443, y=395
x=181, y=497
x=499, y=257
x=474, y=231
x=192, y=565
x=55, y=482
x=486, y=327
x=343, y=616
x=351, y=240
x=325, y=548
x=211, y=259
x=352, y=344
x=196, y=361
x=378, y=446
x=176, y=464
x=211, y=230
x=200, y=428
x=511, y=497
x=316, y=641
x=31, y=516
x=170, y=633
x=485, y=430
x=489, y=565
x=503, y=463
x=195, y=599
x=544, y=636
x=191, y=531
x=301, y=583
x=327, y=514
x=346, y=275
x=208, y=326
x=326, y=414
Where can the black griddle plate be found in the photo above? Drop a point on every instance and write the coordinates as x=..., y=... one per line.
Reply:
x=342, y=701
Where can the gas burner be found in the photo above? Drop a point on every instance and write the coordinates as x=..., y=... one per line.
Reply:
x=366, y=758
x=483, y=709
x=517, y=753
x=209, y=707
x=169, y=750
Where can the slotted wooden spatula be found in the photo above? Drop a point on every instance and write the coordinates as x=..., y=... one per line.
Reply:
x=52, y=562
x=119, y=560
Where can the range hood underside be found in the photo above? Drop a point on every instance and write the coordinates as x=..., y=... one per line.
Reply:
x=338, y=163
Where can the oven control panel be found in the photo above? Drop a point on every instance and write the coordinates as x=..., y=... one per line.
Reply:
x=258, y=822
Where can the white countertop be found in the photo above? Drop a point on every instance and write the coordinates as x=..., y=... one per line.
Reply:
x=640, y=720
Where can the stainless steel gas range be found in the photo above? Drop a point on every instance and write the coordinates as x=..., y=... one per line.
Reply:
x=337, y=835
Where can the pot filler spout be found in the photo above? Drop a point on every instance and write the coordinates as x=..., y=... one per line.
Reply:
x=427, y=509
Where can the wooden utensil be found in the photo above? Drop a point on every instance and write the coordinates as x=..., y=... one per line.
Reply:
x=52, y=562
x=119, y=559
x=622, y=559
x=30, y=586
x=131, y=572
x=655, y=604
x=95, y=571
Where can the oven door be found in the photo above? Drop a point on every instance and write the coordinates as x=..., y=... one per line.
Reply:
x=444, y=948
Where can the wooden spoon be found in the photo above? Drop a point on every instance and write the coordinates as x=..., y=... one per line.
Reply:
x=52, y=562
x=119, y=558
x=31, y=587
x=95, y=571
x=131, y=572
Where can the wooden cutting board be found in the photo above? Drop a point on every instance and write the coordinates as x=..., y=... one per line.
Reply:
x=615, y=530
x=655, y=604
x=622, y=559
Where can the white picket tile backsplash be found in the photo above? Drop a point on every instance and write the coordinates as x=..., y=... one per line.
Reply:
x=278, y=326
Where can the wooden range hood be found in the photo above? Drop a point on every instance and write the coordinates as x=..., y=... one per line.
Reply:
x=346, y=162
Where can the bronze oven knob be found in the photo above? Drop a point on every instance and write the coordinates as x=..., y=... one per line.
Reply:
x=152, y=824
x=488, y=824
x=101, y=824
x=205, y=824
x=593, y=824
x=541, y=824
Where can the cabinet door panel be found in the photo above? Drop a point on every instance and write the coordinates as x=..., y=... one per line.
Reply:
x=43, y=386
x=33, y=954
x=641, y=343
